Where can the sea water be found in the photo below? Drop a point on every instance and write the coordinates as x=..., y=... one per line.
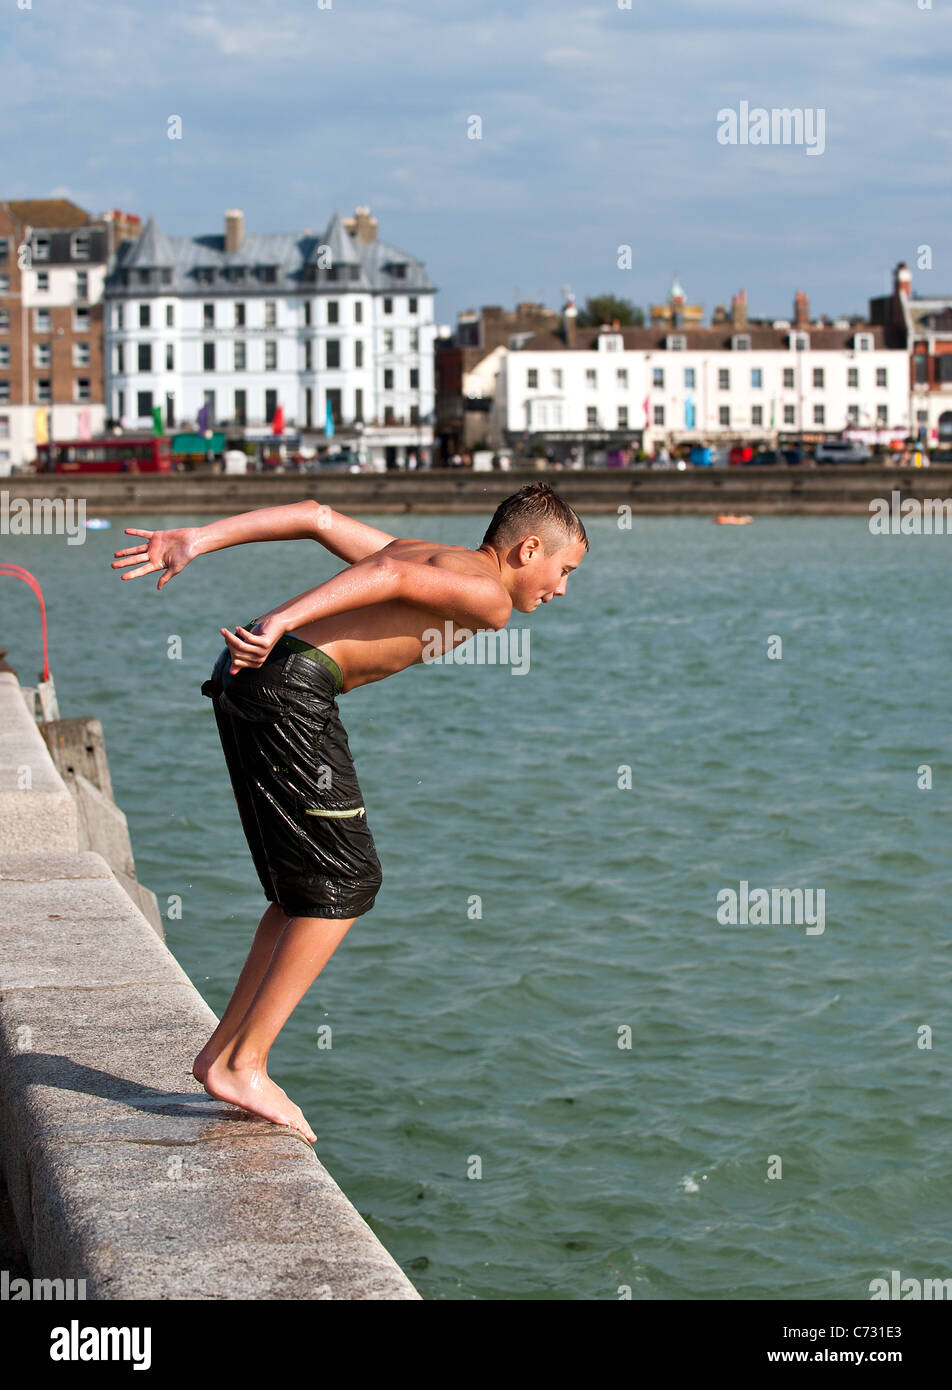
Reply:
x=557, y=1068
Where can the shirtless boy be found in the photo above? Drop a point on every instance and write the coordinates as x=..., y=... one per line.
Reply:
x=274, y=691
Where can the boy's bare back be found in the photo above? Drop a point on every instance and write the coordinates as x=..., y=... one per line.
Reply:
x=371, y=643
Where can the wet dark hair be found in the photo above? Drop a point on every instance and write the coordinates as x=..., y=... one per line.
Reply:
x=535, y=508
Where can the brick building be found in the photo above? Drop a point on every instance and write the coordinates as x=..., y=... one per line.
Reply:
x=53, y=259
x=925, y=322
x=467, y=364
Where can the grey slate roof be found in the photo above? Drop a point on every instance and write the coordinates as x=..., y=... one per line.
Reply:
x=295, y=259
x=709, y=339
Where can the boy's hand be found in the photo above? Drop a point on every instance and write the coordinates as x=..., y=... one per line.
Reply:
x=251, y=648
x=167, y=550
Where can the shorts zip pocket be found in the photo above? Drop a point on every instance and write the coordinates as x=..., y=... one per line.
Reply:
x=357, y=811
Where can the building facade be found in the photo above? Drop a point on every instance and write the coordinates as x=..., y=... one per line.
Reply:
x=236, y=326
x=926, y=322
x=737, y=381
x=53, y=262
x=467, y=365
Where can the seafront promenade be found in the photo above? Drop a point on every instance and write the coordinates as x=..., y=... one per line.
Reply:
x=842, y=490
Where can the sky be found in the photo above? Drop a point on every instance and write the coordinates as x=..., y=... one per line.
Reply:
x=598, y=128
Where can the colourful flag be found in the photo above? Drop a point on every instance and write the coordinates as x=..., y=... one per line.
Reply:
x=329, y=422
x=773, y=404
x=157, y=419
x=647, y=404
x=82, y=425
x=39, y=427
x=202, y=421
x=277, y=422
x=689, y=413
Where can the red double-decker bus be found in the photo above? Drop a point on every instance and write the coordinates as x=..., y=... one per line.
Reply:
x=130, y=453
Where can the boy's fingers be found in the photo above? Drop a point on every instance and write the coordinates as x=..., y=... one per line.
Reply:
x=255, y=639
x=236, y=643
x=143, y=569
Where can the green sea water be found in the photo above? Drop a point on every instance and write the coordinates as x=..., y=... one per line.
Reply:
x=554, y=1073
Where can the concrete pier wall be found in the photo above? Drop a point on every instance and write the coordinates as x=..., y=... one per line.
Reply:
x=119, y=1169
x=839, y=490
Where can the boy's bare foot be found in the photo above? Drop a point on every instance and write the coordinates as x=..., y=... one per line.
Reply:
x=253, y=1089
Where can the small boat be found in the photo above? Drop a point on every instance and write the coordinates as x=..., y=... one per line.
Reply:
x=98, y=523
x=729, y=519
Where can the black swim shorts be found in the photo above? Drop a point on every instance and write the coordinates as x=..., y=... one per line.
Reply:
x=294, y=781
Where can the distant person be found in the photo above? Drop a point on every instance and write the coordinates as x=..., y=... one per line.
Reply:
x=274, y=689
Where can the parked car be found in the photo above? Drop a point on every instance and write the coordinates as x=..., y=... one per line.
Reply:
x=740, y=454
x=343, y=461
x=765, y=458
x=841, y=451
x=702, y=456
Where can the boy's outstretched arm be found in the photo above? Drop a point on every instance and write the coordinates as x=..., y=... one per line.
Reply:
x=474, y=600
x=171, y=551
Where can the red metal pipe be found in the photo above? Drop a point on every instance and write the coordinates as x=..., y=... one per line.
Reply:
x=18, y=572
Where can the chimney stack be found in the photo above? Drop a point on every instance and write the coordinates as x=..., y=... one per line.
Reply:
x=801, y=310
x=739, y=311
x=569, y=316
x=902, y=279
x=362, y=226
x=234, y=229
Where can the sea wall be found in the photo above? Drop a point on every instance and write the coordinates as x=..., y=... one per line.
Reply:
x=118, y=1169
x=837, y=490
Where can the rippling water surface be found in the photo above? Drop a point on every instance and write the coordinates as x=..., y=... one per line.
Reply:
x=533, y=909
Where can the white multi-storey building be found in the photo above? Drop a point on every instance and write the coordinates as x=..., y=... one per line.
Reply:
x=612, y=386
x=340, y=324
x=676, y=382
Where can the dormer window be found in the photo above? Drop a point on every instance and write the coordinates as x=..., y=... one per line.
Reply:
x=863, y=342
x=268, y=274
x=41, y=247
x=799, y=342
x=676, y=342
x=741, y=342
x=611, y=342
x=206, y=275
x=82, y=243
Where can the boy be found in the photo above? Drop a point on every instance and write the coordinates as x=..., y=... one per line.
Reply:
x=274, y=691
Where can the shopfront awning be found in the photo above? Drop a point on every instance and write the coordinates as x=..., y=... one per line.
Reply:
x=198, y=443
